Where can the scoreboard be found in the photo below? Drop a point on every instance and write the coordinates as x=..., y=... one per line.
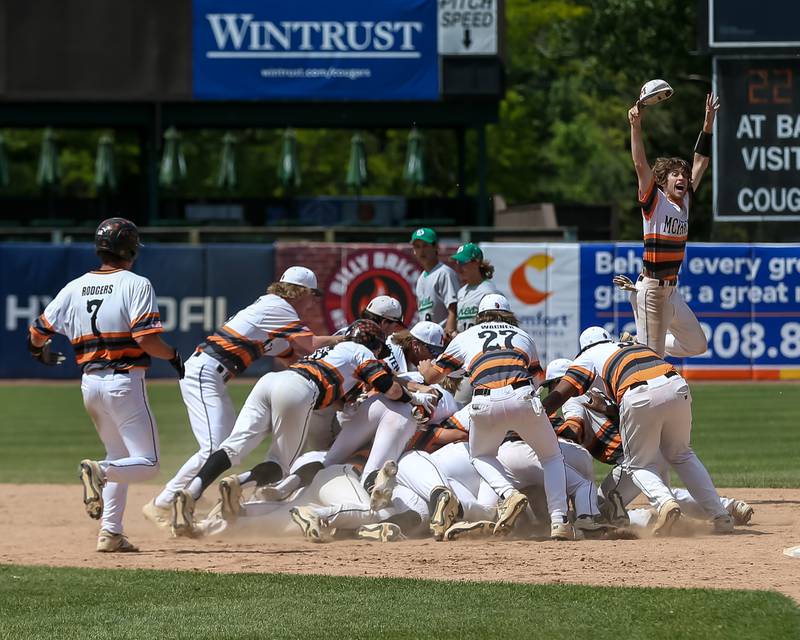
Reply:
x=757, y=138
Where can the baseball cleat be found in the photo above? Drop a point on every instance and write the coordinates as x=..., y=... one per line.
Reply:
x=93, y=481
x=723, y=524
x=272, y=493
x=381, y=496
x=562, y=530
x=627, y=336
x=312, y=526
x=614, y=511
x=741, y=512
x=108, y=542
x=508, y=510
x=668, y=514
x=230, y=491
x=381, y=532
x=162, y=518
x=183, y=514
x=589, y=523
x=445, y=512
x=463, y=530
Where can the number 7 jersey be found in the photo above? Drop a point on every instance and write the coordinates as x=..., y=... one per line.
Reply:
x=493, y=354
x=102, y=313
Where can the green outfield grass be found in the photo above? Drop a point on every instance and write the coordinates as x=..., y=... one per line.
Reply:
x=81, y=603
x=747, y=435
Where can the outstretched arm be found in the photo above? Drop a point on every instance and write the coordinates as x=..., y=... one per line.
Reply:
x=701, y=159
x=643, y=171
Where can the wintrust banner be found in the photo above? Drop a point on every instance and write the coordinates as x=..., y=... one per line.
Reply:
x=542, y=282
x=315, y=50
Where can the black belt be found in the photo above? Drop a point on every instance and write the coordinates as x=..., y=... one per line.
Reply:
x=514, y=385
x=668, y=374
x=125, y=372
x=661, y=283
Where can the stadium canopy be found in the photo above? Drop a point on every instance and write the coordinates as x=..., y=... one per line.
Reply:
x=234, y=64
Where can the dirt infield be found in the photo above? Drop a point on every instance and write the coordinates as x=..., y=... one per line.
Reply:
x=46, y=525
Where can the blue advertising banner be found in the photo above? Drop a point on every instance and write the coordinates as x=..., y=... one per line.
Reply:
x=198, y=290
x=746, y=297
x=315, y=50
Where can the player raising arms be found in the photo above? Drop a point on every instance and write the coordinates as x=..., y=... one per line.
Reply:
x=111, y=317
x=503, y=366
x=665, y=195
x=271, y=325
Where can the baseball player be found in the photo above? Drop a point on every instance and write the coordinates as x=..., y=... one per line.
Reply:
x=437, y=287
x=655, y=420
x=111, y=317
x=281, y=403
x=665, y=195
x=503, y=366
x=476, y=274
x=271, y=325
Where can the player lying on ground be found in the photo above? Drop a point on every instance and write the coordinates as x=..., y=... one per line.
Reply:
x=281, y=403
x=269, y=326
x=111, y=317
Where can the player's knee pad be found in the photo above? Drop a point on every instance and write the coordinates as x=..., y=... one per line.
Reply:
x=266, y=473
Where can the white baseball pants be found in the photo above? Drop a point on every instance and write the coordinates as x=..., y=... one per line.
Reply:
x=385, y=423
x=523, y=468
x=508, y=409
x=280, y=403
x=664, y=322
x=211, y=416
x=117, y=404
x=656, y=421
x=476, y=497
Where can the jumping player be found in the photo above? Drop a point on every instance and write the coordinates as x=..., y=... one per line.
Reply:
x=665, y=195
x=111, y=317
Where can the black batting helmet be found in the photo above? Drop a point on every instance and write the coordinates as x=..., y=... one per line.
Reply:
x=119, y=237
x=369, y=334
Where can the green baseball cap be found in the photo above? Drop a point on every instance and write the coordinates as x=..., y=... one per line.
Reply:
x=425, y=234
x=467, y=253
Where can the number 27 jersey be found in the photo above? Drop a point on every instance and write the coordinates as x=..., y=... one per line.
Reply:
x=494, y=354
x=102, y=313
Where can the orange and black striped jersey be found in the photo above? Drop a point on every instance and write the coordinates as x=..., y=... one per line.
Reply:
x=250, y=333
x=102, y=313
x=595, y=432
x=618, y=364
x=666, y=226
x=493, y=354
x=336, y=370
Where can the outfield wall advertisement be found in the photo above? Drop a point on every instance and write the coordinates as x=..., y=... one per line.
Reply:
x=250, y=49
x=747, y=297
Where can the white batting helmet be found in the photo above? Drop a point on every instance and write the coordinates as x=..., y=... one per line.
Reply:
x=494, y=301
x=593, y=335
x=556, y=369
x=654, y=91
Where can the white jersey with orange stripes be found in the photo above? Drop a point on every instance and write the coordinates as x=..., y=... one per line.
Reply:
x=493, y=354
x=666, y=226
x=253, y=331
x=102, y=312
x=336, y=370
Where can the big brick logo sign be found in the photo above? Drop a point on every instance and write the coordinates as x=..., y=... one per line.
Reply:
x=365, y=274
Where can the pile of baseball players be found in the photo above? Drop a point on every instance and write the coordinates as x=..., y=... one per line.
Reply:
x=448, y=428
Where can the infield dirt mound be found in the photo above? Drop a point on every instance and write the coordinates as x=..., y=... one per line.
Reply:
x=46, y=525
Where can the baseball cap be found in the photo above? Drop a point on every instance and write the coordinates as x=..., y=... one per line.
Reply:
x=425, y=234
x=494, y=301
x=556, y=369
x=593, y=335
x=431, y=334
x=467, y=253
x=386, y=307
x=302, y=277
